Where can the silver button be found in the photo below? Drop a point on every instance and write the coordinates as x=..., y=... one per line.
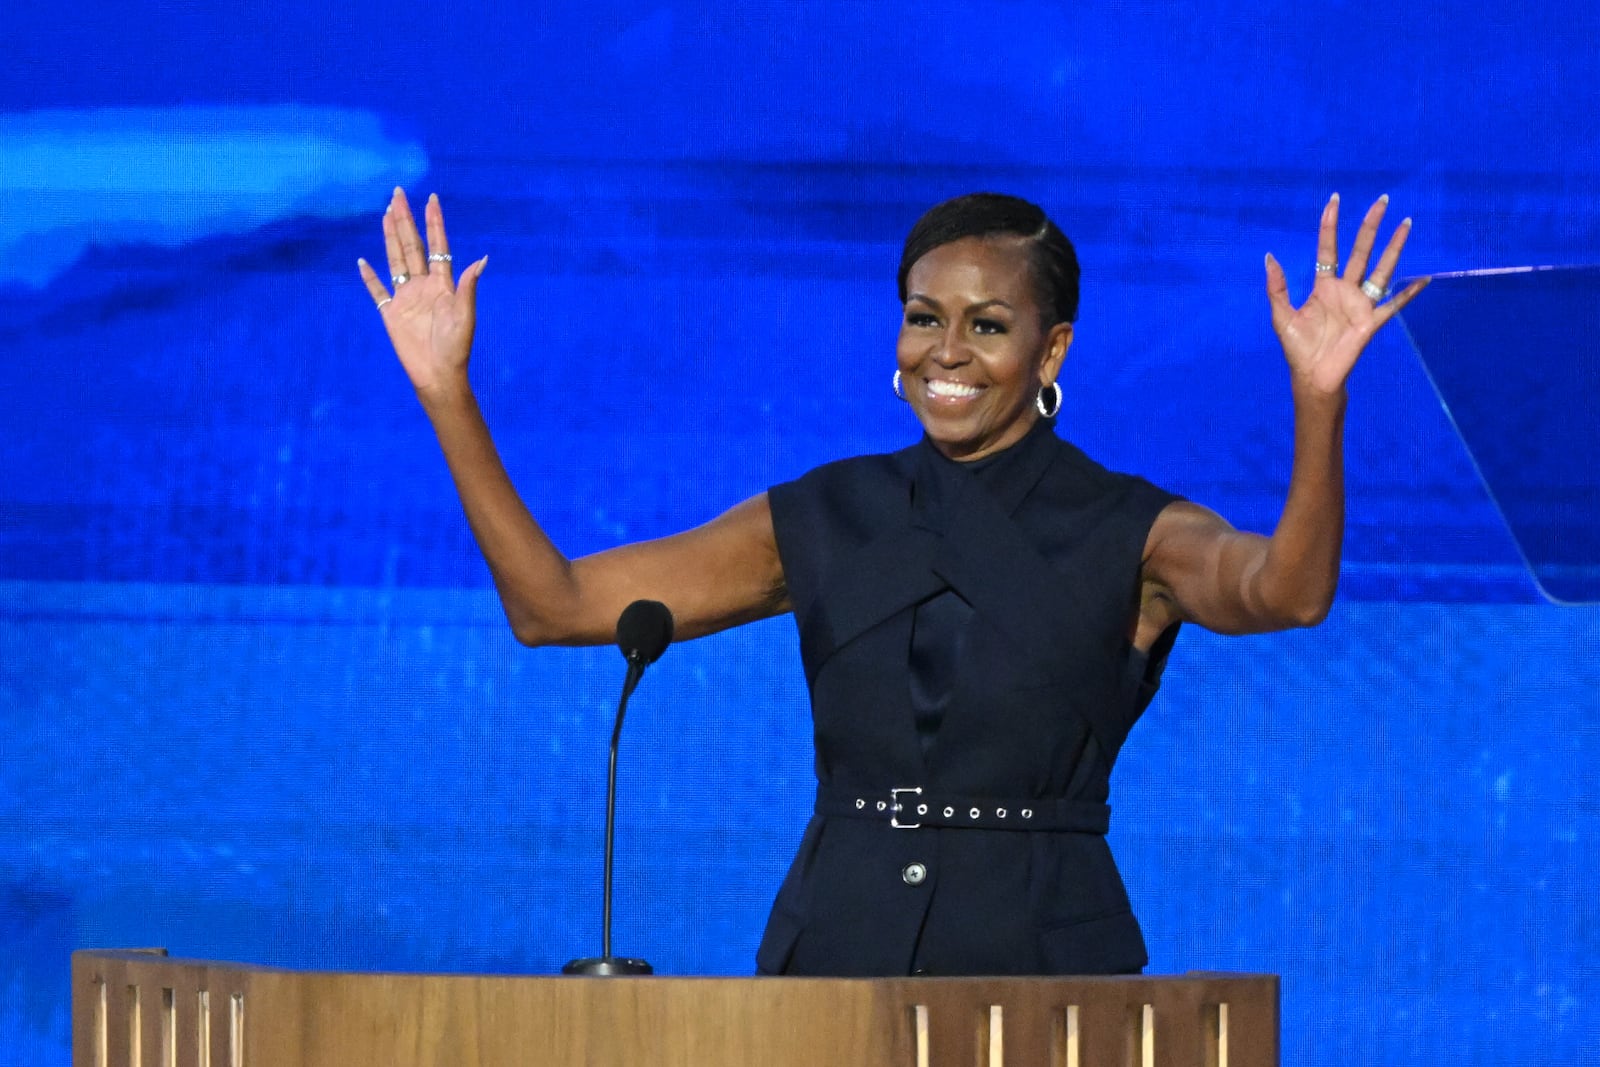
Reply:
x=914, y=874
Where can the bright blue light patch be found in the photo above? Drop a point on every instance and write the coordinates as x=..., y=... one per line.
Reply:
x=70, y=179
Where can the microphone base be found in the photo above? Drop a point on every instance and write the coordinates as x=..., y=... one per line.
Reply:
x=607, y=966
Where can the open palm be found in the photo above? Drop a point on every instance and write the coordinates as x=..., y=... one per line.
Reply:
x=429, y=316
x=1323, y=337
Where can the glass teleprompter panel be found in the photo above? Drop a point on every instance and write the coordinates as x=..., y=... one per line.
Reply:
x=1515, y=358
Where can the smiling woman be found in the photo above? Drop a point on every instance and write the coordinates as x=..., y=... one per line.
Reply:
x=983, y=615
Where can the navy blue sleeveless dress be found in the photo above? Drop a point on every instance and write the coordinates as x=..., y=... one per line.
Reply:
x=964, y=634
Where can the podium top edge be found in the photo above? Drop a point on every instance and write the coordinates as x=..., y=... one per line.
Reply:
x=158, y=958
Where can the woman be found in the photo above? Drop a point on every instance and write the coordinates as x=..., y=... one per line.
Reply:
x=982, y=615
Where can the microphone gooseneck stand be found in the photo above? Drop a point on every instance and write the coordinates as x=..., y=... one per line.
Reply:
x=643, y=633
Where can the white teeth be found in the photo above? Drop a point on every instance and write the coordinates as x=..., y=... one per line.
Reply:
x=936, y=387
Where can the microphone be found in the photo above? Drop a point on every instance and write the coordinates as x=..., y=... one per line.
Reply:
x=644, y=631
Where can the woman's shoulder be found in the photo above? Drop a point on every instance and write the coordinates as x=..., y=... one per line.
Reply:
x=1076, y=472
x=852, y=475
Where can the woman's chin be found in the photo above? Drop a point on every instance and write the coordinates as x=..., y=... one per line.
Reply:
x=965, y=437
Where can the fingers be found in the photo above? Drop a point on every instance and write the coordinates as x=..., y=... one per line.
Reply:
x=1391, y=307
x=1383, y=273
x=413, y=261
x=1278, y=293
x=438, y=245
x=1328, y=238
x=380, y=295
x=1366, y=237
x=467, y=288
x=391, y=244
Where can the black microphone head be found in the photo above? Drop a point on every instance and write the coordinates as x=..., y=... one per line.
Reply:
x=644, y=631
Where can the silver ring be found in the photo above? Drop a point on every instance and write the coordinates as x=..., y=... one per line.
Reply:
x=385, y=300
x=1373, y=291
x=399, y=279
x=439, y=257
x=1327, y=268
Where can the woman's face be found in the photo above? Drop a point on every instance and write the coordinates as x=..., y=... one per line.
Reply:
x=972, y=355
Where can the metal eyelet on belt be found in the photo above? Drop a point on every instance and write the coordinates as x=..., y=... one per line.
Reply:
x=973, y=814
x=1027, y=813
x=922, y=809
x=949, y=812
x=1000, y=813
x=883, y=805
x=860, y=803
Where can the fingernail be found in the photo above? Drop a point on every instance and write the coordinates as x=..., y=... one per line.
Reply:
x=433, y=198
x=1406, y=221
x=1334, y=198
x=399, y=191
x=360, y=262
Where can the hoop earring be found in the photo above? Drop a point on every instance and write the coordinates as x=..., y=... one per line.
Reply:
x=897, y=390
x=1054, y=408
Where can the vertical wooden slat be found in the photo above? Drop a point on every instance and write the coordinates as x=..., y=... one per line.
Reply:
x=116, y=1017
x=184, y=980
x=919, y=1034
x=133, y=1001
x=202, y=1028
x=1215, y=1037
x=236, y=1030
x=102, y=1020
x=1071, y=1044
x=169, y=1028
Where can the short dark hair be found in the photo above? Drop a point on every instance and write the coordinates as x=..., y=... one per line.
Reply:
x=1050, y=254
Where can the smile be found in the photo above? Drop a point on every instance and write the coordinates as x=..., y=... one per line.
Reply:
x=951, y=390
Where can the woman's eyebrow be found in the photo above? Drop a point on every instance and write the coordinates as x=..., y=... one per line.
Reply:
x=979, y=306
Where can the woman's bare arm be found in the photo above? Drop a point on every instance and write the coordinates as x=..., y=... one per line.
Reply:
x=712, y=577
x=1199, y=568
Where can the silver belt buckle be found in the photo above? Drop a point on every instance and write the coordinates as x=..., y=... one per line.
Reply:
x=895, y=807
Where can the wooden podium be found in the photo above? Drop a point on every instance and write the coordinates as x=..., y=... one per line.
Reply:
x=141, y=1009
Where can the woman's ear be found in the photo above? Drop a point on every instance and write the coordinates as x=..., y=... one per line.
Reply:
x=1056, y=342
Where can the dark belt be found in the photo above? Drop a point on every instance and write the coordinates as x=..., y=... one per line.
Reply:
x=909, y=807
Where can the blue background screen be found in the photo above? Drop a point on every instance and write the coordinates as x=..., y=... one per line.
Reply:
x=258, y=702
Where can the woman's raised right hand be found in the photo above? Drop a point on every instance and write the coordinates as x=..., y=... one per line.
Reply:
x=430, y=315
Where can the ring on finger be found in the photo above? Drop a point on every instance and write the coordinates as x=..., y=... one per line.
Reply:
x=1374, y=292
x=1327, y=268
x=399, y=279
x=385, y=300
x=439, y=257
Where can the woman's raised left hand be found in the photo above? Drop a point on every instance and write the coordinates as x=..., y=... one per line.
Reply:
x=1323, y=337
